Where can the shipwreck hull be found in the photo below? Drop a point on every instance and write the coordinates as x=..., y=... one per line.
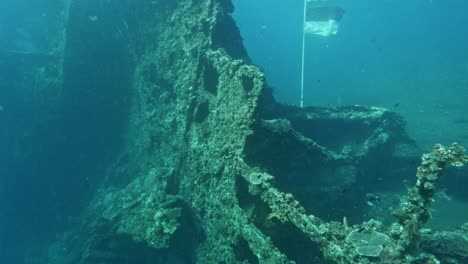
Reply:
x=210, y=168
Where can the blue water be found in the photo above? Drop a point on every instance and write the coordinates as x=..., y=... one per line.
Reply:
x=409, y=56
x=384, y=50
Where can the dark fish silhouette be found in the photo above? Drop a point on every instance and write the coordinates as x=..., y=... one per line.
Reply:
x=324, y=13
x=372, y=199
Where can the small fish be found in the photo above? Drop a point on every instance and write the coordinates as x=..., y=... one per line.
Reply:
x=442, y=194
x=93, y=19
x=460, y=121
x=371, y=199
x=396, y=105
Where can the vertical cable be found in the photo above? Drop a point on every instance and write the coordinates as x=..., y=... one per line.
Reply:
x=303, y=49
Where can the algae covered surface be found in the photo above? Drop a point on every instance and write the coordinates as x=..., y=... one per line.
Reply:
x=200, y=164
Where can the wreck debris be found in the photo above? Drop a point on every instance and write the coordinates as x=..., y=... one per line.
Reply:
x=414, y=212
x=371, y=240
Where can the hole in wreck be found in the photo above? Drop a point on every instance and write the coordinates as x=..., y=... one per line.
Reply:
x=243, y=252
x=327, y=189
x=202, y=112
x=210, y=78
x=253, y=206
x=296, y=245
x=247, y=83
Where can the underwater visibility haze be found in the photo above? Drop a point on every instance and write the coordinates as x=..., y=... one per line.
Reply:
x=233, y=131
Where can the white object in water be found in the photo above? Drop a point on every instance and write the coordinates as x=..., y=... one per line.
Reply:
x=321, y=28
